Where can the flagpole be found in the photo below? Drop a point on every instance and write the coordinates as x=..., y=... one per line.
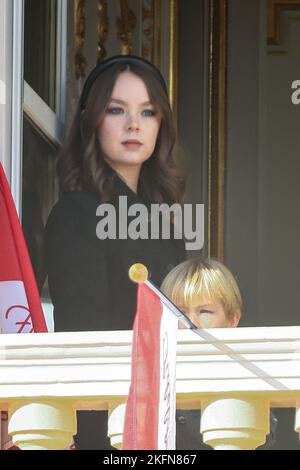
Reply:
x=139, y=273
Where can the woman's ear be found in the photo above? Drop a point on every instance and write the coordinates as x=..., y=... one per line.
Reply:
x=235, y=319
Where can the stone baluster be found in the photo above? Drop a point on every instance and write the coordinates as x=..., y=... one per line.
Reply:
x=240, y=423
x=42, y=425
x=226, y=423
x=116, y=418
x=297, y=418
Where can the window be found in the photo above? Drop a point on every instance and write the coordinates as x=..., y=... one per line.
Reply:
x=40, y=43
x=45, y=30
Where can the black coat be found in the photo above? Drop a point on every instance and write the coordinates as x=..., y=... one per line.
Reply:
x=88, y=277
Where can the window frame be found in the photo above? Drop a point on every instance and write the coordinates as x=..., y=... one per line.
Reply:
x=26, y=101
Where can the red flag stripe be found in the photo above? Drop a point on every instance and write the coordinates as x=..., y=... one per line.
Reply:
x=9, y=263
x=143, y=414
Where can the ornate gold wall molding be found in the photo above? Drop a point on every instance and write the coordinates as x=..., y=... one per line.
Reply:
x=103, y=25
x=157, y=26
x=174, y=51
x=274, y=12
x=148, y=29
x=126, y=24
x=80, y=30
x=217, y=127
x=151, y=31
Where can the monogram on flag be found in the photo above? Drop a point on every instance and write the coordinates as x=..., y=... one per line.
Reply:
x=151, y=404
x=20, y=305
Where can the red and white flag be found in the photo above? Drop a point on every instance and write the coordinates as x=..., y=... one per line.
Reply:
x=20, y=304
x=151, y=404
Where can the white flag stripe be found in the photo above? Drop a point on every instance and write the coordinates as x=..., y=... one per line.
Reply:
x=167, y=393
x=14, y=310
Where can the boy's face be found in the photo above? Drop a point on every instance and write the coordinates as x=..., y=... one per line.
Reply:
x=206, y=313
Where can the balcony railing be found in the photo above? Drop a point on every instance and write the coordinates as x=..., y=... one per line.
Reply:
x=233, y=375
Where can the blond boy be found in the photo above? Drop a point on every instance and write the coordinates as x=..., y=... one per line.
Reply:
x=207, y=292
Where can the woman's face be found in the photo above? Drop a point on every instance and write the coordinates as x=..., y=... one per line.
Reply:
x=206, y=313
x=129, y=116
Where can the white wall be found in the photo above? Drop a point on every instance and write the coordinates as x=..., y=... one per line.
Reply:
x=263, y=166
x=279, y=172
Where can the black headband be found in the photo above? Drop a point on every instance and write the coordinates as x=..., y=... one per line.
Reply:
x=107, y=63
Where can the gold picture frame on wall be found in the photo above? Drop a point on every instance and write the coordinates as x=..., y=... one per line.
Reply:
x=217, y=126
x=174, y=57
x=216, y=114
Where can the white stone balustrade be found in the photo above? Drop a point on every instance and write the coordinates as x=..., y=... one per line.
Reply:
x=234, y=375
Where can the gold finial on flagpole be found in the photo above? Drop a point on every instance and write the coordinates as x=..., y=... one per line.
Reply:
x=138, y=273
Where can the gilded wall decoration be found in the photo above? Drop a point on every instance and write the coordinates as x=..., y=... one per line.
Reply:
x=217, y=126
x=103, y=25
x=275, y=8
x=147, y=29
x=80, y=31
x=126, y=24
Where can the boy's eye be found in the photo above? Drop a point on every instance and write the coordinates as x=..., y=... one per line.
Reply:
x=206, y=311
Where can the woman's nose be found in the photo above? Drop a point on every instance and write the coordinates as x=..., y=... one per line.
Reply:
x=133, y=123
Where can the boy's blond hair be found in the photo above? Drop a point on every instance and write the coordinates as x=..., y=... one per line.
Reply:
x=195, y=279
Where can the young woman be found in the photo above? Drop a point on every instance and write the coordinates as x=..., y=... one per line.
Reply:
x=119, y=154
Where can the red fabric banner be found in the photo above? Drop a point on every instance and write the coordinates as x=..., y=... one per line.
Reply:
x=150, y=409
x=16, y=272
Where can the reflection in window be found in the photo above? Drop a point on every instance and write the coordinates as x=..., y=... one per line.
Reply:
x=40, y=48
x=39, y=193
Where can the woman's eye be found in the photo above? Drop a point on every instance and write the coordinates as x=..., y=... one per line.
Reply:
x=149, y=112
x=115, y=110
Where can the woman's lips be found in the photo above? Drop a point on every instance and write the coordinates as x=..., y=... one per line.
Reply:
x=132, y=145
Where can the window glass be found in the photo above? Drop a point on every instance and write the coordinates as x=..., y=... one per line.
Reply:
x=40, y=48
x=39, y=193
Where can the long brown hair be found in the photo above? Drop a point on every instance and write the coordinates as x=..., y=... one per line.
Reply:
x=81, y=164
